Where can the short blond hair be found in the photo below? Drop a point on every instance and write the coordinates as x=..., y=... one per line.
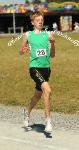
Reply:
x=36, y=14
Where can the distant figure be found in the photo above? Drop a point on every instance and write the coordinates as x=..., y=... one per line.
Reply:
x=55, y=26
x=76, y=27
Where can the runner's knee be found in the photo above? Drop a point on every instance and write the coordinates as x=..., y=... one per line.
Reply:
x=38, y=96
x=46, y=90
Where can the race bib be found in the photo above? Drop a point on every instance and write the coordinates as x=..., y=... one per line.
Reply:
x=41, y=52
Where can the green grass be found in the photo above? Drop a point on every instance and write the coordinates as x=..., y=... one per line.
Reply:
x=16, y=86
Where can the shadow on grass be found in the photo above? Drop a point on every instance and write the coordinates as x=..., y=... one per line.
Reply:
x=38, y=128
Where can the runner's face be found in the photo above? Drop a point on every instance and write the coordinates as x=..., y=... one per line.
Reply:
x=38, y=22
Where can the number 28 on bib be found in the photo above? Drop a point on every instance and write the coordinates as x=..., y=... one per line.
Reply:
x=41, y=52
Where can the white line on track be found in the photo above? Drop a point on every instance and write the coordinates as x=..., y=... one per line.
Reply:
x=33, y=143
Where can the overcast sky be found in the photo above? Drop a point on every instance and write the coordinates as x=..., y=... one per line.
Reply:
x=11, y=1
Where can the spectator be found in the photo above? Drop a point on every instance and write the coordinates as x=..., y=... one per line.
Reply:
x=76, y=27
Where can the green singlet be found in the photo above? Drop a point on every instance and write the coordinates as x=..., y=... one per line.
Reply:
x=39, y=49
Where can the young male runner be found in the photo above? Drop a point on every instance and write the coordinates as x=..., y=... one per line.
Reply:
x=39, y=66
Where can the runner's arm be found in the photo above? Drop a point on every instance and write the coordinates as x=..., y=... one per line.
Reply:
x=24, y=46
x=52, y=45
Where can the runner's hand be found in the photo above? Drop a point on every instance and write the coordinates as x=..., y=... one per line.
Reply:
x=22, y=50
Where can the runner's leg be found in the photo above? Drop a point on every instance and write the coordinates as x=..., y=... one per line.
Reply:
x=46, y=94
x=34, y=100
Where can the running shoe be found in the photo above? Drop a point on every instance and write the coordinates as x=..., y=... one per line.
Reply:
x=26, y=118
x=48, y=127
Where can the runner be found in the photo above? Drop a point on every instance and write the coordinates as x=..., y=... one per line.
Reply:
x=39, y=66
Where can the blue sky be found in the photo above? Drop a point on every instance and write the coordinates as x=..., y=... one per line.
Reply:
x=10, y=1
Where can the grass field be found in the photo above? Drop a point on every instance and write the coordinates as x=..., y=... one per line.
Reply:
x=16, y=86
